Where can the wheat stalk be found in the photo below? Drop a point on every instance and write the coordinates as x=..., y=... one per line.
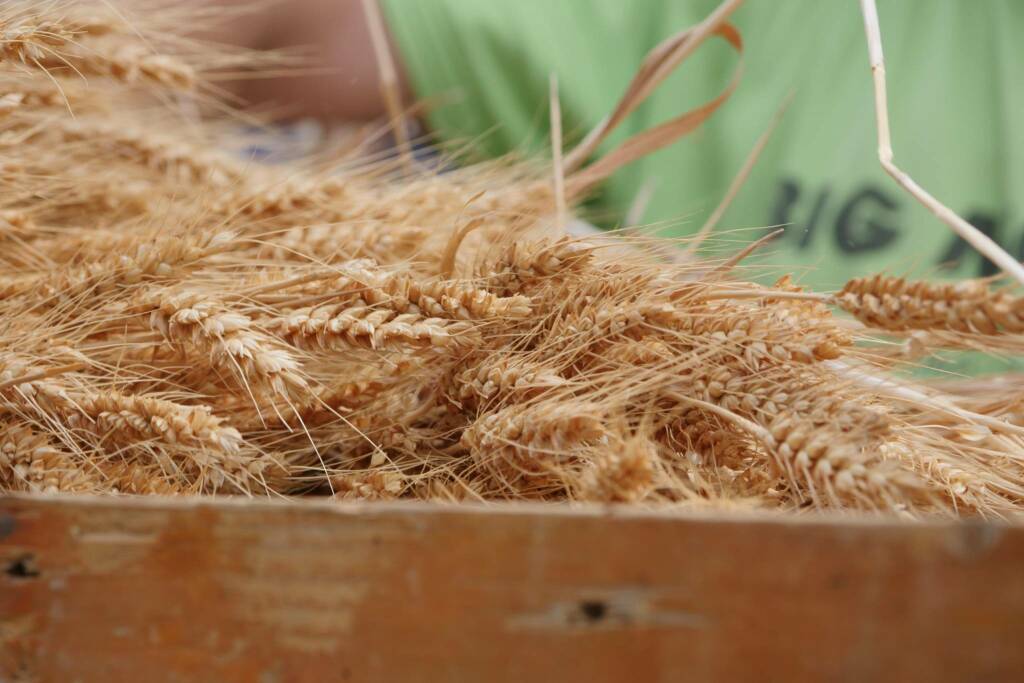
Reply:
x=174, y=320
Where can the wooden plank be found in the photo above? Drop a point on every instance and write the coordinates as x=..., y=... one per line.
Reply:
x=177, y=590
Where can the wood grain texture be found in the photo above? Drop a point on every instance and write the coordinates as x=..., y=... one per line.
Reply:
x=178, y=590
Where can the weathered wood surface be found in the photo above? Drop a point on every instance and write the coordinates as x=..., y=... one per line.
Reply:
x=156, y=590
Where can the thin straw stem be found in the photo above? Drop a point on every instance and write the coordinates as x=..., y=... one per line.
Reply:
x=561, y=212
x=977, y=239
x=739, y=180
x=389, y=83
x=765, y=294
x=42, y=374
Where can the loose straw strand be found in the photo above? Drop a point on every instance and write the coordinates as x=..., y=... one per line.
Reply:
x=388, y=80
x=739, y=180
x=561, y=212
x=979, y=240
x=49, y=373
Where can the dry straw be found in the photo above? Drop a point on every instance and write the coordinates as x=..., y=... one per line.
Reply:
x=176, y=321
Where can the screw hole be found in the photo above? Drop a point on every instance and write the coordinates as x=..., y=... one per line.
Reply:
x=593, y=610
x=23, y=568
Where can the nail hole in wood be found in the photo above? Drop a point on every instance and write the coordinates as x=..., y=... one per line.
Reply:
x=23, y=567
x=593, y=610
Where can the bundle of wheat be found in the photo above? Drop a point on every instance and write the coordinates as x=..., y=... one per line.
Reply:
x=173, y=320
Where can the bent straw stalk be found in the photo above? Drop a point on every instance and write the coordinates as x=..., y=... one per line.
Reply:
x=976, y=238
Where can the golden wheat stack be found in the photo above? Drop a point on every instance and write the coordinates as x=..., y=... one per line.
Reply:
x=175, y=320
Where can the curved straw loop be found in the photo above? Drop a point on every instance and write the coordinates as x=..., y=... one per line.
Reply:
x=660, y=62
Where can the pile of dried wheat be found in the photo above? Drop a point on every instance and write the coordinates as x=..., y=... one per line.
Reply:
x=173, y=320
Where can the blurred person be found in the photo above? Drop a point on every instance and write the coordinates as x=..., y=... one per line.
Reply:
x=955, y=73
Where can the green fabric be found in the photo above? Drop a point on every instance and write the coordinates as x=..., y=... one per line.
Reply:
x=956, y=85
